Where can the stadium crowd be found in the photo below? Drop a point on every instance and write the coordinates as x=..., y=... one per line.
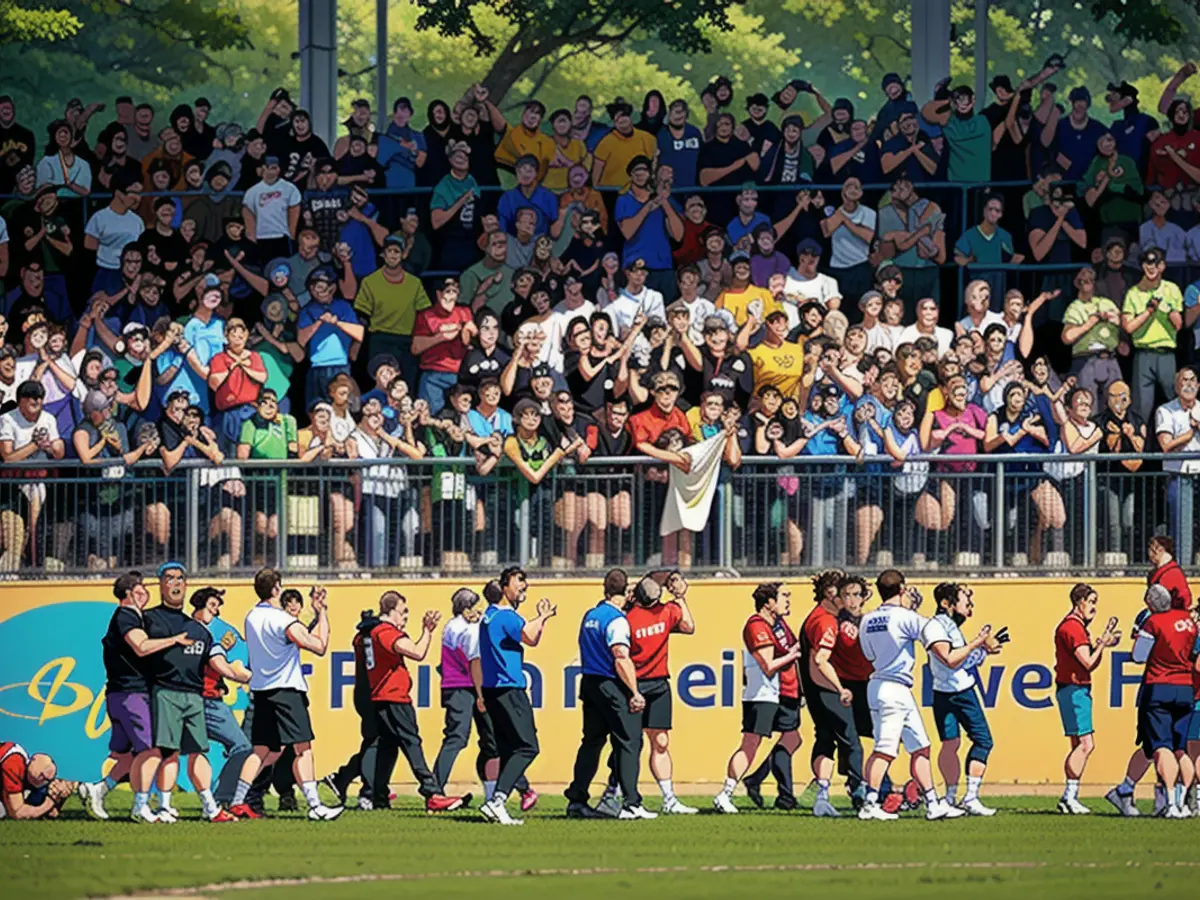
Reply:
x=846, y=284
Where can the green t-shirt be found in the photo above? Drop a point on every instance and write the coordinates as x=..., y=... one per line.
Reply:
x=279, y=365
x=1114, y=206
x=1157, y=332
x=1101, y=336
x=969, y=144
x=392, y=307
x=269, y=440
x=498, y=295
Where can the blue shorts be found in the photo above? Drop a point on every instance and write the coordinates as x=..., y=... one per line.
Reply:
x=1164, y=717
x=1194, y=727
x=962, y=710
x=1075, y=708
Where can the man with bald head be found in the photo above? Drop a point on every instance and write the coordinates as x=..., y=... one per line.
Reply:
x=26, y=783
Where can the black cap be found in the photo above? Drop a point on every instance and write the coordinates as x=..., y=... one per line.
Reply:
x=1125, y=89
x=1001, y=81
x=639, y=160
x=541, y=370
x=1152, y=255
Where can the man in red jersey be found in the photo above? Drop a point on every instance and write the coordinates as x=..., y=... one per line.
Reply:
x=1168, y=572
x=391, y=684
x=30, y=789
x=652, y=620
x=1166, y=644
x=771, y=689
x=1076, y=656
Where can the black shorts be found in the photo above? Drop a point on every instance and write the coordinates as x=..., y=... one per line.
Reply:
x=280, y=719
x=765, y=718
x=657, y=714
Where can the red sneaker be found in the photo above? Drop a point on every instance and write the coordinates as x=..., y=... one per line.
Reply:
x=529, y=800
x=912, y=794
x=440, y=803
x=892, y=802
x=224, y=815
x=243, y=811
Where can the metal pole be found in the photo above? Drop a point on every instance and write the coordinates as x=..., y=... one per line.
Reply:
x=318, y=65
x=381, y=64
x=192, y=532
x=1091, y=521
x=981, y=52
x=930, y=46
x=998, y=520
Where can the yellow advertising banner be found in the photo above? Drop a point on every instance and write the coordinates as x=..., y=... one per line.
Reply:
x=52, y=675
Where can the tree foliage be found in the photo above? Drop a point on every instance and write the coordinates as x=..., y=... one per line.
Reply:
x=24, y=22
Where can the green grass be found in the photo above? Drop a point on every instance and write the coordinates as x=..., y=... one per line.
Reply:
x=1026, y=849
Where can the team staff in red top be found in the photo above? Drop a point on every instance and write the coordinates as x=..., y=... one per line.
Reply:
x=1166, y=644
x=1076, y=656
x=25, y=780
x=1168, y=572
x=771, y=692
x=652, y=620
x=391, y=684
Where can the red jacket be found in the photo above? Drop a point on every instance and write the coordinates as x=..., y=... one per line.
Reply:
x=1172, y=578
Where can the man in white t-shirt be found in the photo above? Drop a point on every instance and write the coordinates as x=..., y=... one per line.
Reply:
x=805, y=283
x=956, y=706
x=271, y=211
x=110, y=229
x=1177, y=428
x=635, y=298
x=27, y=434
x=888, y=636
x=850, y=230
x=927, y=326
x=274, y=639
x=977, y=299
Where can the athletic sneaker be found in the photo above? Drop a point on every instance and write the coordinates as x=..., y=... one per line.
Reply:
x=1174, y=812
x=636, y=812
x=288, y=802
x=1124, y=803
x=529, y=800
x=583, y=811
x=243, y=811
x=723, y=803
x=364, y=802
x=674, y=807
x=1073, y=807
x=943, y=810
x=1160, y=800
x=875, y=811
x=323, y=813
x=975, y=807
x=144, y=816
x=167, y=815
x=823, y=809
x=440, y=803
x=338, y=791
x=892, y=803
x=222, y=815
x=912, y=795
x=92, y=797
x=609, y=805
x=498, y=812
x=487, y=811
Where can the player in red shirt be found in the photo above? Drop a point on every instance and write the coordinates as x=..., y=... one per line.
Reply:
x=652, y=620
x=386, y=650
x=1166, y=644
x=770, y=698
x=1076, y=656
x=1168, y=572
x=25, y=779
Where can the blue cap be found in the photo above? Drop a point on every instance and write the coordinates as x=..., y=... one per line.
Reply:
x=169, y=565
x=808, y=245
x=211, y=281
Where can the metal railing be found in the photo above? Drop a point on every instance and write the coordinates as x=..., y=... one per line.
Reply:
x=999, y=515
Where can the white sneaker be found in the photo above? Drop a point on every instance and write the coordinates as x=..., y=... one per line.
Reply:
x=323, y=813
x=609, y=805
x=364, y=802
x=674, y=807
x=500, y=815
x=823, y=809
x=943, y=810
x=723, y=803
x=488, y=811
x=636, y=812
x=975, y=807
x=1124, y=803
x=1174, y=812
x=1072, y=807
x=1161, y=803
x=167, y=815
x=144, y=816
x=92, y=796
x=875, y=811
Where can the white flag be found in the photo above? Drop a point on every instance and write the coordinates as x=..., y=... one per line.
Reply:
x=691, y=495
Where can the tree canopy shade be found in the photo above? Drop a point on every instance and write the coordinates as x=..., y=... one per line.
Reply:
x=20, y=22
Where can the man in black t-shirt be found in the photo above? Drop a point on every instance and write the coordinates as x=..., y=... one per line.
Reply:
x=1124, y=432
x=177, y=693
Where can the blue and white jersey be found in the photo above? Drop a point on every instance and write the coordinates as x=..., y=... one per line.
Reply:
x=947, y=680
x=603, y=627
x=888, y=638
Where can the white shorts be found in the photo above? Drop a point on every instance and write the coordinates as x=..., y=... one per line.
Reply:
x=896, y=718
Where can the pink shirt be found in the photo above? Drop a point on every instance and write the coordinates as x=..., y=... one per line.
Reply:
x=460, y=645
x=958, y=442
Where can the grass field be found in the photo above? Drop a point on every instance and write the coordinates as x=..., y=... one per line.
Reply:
x=1027, y=848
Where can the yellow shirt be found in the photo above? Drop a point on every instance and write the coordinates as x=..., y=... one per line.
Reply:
x=738, y=302
x=781, y=366
x=1157, y=332
x=616, y=152
x=556, y=176
x=518, y=141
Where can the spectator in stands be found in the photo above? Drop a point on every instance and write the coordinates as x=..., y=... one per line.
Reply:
x=1152, y=314
x=927, y=326
x=271, y=211
x=60, y=167
x=441, y=336
x=485, y=357
x=389, y=299
x=1177, y=430
x=856, y=157
x=1092, y=329
x=528, y=194
x=1113, y=187
x=326, y=329
x=742, y=299
x=401, y=148
x=913, y=236
x=649, y=221
x=1053, y=228
x=27, y=433
x=619, y=147
x=988, y=244
x=969, y=137
x=384, y=522
x=1124, y=432
x=235, y=377
x=1134, y=131
x=804, y=283
x=910, y=153
x=1161, y=233
x=1076, y=136
x=679, y=144
x=110, y=229
x=1175, y=156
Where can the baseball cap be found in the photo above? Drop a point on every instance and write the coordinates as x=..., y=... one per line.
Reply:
x=96, y=401
x=169, y=565
x=321, y=273
x=636, y=264
x=844, y=103
x=714, y=323
x=891, y=78
x=398, y=239
x=869, y=295
x=1080, y=93
x=541, y=370
x=1152, y=255
x=211, y=282
x=270, y=160
x=639, y=160
x=808, y=245
x=525, y=405
x=379, y=360
x=1001, y=81
x=679, y=306
x=739, y=256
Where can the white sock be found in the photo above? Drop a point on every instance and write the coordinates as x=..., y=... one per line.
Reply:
x=1179, y=794
x=974, y=782
x=309, y=788
x=822, y=788
x=166, y=799
x=140, y=800
x=240, y=792
x=208, y=803
x=1072, y=790
x=489, y=788
x=952, y=791
x=668, y=789
x=1126, y=787
x=872, y=797
x=730, y=786
x=931, y=796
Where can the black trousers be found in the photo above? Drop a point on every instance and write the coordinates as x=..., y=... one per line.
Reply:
x=461, y=712
x=606, y=714
x=362, y=763
x=398, y=732
x=835, y=728
x=516, y=735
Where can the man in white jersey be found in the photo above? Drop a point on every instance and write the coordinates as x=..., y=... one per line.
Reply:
x=274, y=639
x=888, y=637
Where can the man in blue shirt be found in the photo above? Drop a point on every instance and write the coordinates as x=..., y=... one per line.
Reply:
x=503, y=634
x=646, y=219
x=612, y=704
x=1076, y=136
x=1134, y=130
x=402, y=149
x=326, y=328
x=528, y=194
x=679, y=145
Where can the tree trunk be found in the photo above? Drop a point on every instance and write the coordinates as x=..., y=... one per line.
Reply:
x=513, y=62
